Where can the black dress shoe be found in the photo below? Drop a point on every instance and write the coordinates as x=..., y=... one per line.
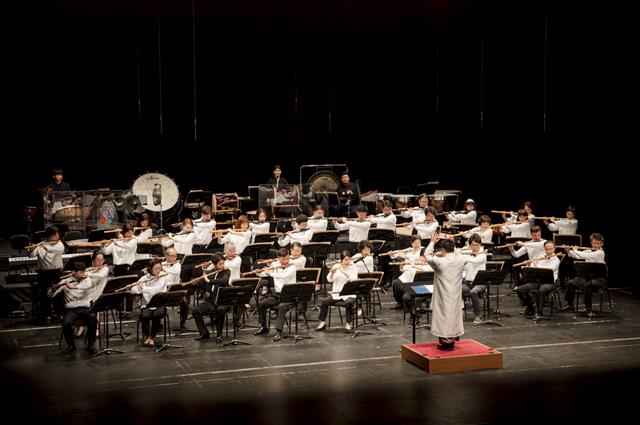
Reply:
x=277, y=336
x=262, y=330
x=91, y=350
x=219, y=339
x=445, y=347
x=205, y=336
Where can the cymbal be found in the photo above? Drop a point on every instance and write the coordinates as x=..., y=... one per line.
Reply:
x=45, y=189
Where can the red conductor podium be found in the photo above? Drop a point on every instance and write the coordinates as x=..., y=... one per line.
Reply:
x=467, y=355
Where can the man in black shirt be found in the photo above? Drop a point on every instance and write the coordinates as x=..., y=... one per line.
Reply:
x=276, y=180
x=58, y=185
x=348, y=194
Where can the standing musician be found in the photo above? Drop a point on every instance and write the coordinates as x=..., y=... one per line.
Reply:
x=348, y=194
x=239, y=235
x=477, y=261
x=359, y=228
x=303, y=234
x=261, y=226
x=518, y=229
x=144, y=227
x=567, y=226
x=317, y=223
x=417, y=214
x=122, y=250
x=594, y=255
x=364, y=260
x=484, y=230
x=340, y=274
x=154, y=282
x=203, y=228
x=283, y=273
x=427, y=227
x=547, y=261
x=468, y=216
x=77, y=290
x=276, y=180
x=49, y=256
x=217, y=278
x=57, y=185
x=414, y=261
x=183, y=241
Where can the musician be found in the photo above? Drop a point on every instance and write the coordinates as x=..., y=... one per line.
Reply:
x=533, y=248
x=57, y=185
x=173, y=268
x=339, y=275
x=412, y=257
x=567, y=226
x=183, y=241
x=348, y=193
x=484, y=230
x=468, y=216
x=277, y=180
x=219, y=278
x=417, y=214
x=154, y=282
x=428, y=226
x=364, y=260
x=303, y=234
x=518, y=229
x=99, y=274
x=261, y=226
x=297, y=259
x=203, y=229
x=546, y=261
x=317, y=223
x=123, y=251
x=477, y=261
x=144, y=227
x=387, y=220
x=359, y=228
x=77, y=291
x=594, y=255
x=49, y=257
x=239, y=236
x=527, y=206
x=283, y=273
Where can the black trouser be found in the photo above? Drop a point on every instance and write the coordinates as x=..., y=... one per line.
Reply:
x=384, y=262
x=587, y=287
x=206, y=308
x=524, y=293
x=399, y=289
x=271, y=301
x=41, y=304
x=123, y=270
x=82, y=314
x=474, y=292
x=329, y=301
x=152, y=315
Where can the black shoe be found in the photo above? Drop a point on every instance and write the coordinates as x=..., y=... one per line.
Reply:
x=204, y=336
x=69, y=350
x=277, y=336
x=219, y=339
x=262, y=330
x=91, y=350
x=445, y=347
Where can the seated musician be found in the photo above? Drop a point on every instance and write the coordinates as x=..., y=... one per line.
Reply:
x=203, y=228
x=339, y=275
x=303, y=233
x=123, y=251
x=359, y=228
x=216, y=278
x=547, y=261
x=183, y=241
x=386, y=220
x=417, y=213
x=427, y=227
x=143, y=228
x=594, y=255
x=533, y=248
x=363, y=259
x=297, y=259
x=317, y=222
x=283, y=273
x=477, y=261
x=77, y=290
x=518, y=229
x=413, y=261
x=484, y=230
x=527, y=206
x=49, y=257
x=468, y=216
x=239, y=235
x=261, y=226
x=154, y=282
x=348, y=194
x=99, y=275
x=566, y=226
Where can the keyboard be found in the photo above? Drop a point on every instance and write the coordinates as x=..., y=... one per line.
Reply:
x=22, y=261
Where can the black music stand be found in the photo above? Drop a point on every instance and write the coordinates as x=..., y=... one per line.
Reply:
x=488, y=278
x=325, y=236
x=360, y=288
x=387, y=235
x=256, y=250
x=265, y=237
x=96, y=235
x=248, y=281
x=234, y=296
x=317, y=251
x=103, y=304
x=297, y=293
x=421, y=291
x=541, y=277
x=167, y=299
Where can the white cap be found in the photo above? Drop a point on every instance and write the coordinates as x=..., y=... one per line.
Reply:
x=469, y=201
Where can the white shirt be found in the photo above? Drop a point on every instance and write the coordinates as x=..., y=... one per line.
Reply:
x=182, y=242
x=233, y=264
x=239, y=239
x=464, y=218
x=385, y=222
x=302, y=236
x=474, y=264
x=416, y=214
x=299, y=262
x=99, y=278
x=174, y=271
x=358, y=230
x=318, y=224
x=151, y=287
x=564, y=226
x=363, y=264
x=522, y=230
x=340, y=278
x=531, y=248
x=412, y=257
x=530, y=218
x=258, y=229
x=425, y=230
x=590, y=256
x=203, y=229
x=486, y=236
x=552, y=263
x=281, y=276
x=76, y=297
x=123, y=251
x=145, y=235
x=49, y=255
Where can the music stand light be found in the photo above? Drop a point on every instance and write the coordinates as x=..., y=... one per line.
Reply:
x=234, y=296
x=167, y=299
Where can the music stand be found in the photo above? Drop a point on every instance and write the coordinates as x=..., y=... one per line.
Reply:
x=103, y=304
x=269, y=237
x=422, y=291
x=96, y=235
x=316, y=250
x=488, y=278
x=248, y=281
x=359, y=288
x=378, y=278
x=330, y=236
x=234, y=296
x=256, y=250
x=387, y=235
x=541, y=277
x=297, y=293
x=167, y=299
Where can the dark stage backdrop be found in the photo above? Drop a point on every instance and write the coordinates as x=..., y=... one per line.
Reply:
x=494, y=98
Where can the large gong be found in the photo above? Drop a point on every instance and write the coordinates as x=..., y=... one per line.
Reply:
x=158, y=190
x=323, y=181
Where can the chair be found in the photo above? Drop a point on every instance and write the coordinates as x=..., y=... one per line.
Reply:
x=361, y=289
x=590, y=271
x=377, y=288
x=542, y=276
x=490, y=277
x=311, y=274
x=165, y=299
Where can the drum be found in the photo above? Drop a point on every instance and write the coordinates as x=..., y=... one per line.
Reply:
x=444, y=201
x=156, y=191
x=287, y=195
x=107, y=215
x=68, y=213
x=30, y=213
